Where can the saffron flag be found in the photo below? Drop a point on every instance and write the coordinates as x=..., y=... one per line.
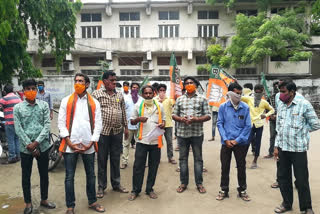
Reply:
x=218, y=86
x=264, y=83
x=175, y=79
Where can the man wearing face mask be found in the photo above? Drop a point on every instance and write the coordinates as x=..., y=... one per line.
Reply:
x=148, y=115
x=190, y=112
x=167, y=104
x=125, y=88
x=80, y=125
x=234, y=125
x=295, y=119
x=130, y=101
x=32, y=125
x=258, y=108
x=45, y=96
x=114, y=123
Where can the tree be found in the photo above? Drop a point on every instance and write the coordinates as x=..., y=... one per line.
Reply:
x=52, y=21
x=283, y=35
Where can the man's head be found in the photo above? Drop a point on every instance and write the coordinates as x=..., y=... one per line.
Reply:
x=8, y=88
x=287, y=91
x=30, y=89
x=109, y=80
x=126, y=86
x=275, y=86
x=135, y=86
x=147, y=92
x=235, y=87
x=190, y=84
x=40, y=85
x=248, y=85
x=81, y=83
x=258, y=88
x=155, y=86
x=162, y=87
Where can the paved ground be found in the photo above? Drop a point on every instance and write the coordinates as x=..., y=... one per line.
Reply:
x=264, y=199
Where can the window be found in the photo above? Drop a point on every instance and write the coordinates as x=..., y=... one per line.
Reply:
x=90, y=17
x=207, y=31
x=166, y=60
x=133, y=16
x=246, y=71
x=202, y=72
x=277, y=10
x=129, y=31
x=130, y=72
x=91, y=72
x=168, y=31
x=91, y=32
x=164, y=72
x=208, y=14
x=280, y=58
x=129, y=61
x=168, y=15
x=200, y=60
x=48, y=62
x=90, y=61
x=248, y=12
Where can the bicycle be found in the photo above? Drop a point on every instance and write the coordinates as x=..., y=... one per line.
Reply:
x=54, y=154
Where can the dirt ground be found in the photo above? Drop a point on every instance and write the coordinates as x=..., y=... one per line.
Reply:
x=264, y=199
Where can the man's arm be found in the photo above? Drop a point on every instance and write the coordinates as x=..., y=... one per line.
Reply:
x=46, y=123
x=24, y=139
x=269, y=108
x=97, y=124
x=245, y=99
x=124, y=114
x=244, y=136
x=220, y=123
x=311, y=117
x=62, y=117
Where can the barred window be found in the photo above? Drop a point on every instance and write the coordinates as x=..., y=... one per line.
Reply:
x=90, y=17
x=129, y=31
x=168, y=31
x=203, y=14
x=129, y=16
x=168, y=15
x=207, y=31
x=91, y=32
x=248, y=12
x=130, y=72
x=48, y=62
x=130, y=61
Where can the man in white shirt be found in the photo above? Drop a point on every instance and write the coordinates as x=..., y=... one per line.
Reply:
x=80, y=125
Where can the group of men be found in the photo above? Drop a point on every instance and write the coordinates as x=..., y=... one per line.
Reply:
x=106, y=122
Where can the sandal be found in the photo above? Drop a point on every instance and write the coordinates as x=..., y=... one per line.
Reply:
x=132, y=196
x=275, y=185
x=244, y=196
x=70, y=211
x=281, y=209
x=100, y=193
x=201, y=189
x=181, y=188
x=97, y=207
x=152, y=195
x=178, y=169
x=222, y=195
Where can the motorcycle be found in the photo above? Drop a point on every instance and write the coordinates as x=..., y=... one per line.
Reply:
x=3, y=139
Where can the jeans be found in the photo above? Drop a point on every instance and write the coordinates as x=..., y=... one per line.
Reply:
x=240, y=153
x=196, y=144
x=109, y=145
x=126, y=146
x=168, y=137
x=214, y=119
x=257, y=134
x=299, y=161
x=26, y=166
x=70, y=162
x=154, y=155
x=13, y=142
x=273, y=134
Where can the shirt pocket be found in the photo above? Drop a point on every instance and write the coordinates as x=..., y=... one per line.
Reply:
x=297, y=120
x=240, y=120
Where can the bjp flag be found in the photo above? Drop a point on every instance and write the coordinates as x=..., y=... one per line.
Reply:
x=175, y=79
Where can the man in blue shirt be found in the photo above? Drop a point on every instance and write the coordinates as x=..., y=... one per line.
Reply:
x=234, y=125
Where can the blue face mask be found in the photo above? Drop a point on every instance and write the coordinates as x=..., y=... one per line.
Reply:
x=40, y=87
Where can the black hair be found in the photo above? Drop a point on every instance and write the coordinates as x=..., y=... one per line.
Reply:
x=40, y=82
x=258, y=87
x=233, y=86
x=155, y=86
x=29, y=82
x=248, y=85
x=196, y=82
x=126, y=83
x=86, y=78
x=8, y=88
x=147, y=86
x=291, y=86
x=107, y=74
x=162, y=86
x=275, y=83
x=134, y=83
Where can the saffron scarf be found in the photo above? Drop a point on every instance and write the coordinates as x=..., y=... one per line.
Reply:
x=141, y=114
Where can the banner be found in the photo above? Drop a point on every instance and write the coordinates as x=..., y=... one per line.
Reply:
x=175, y=79
x=264, y=83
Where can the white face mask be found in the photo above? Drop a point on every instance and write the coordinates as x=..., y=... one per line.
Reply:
x=234, y=98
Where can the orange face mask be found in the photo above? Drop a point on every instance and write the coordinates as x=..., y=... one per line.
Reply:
x=79, y=88
x=190, y=88
x=126, y=88
x=30, y=95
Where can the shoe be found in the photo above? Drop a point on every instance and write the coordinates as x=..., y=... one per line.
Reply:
x=48, y=205
x=282, y=209
x=120, y=189
x=172, y=161
x=268, y=156
x=10, y=161
x=28, y=210
x=222, y=195
x=212, y=139
x=123, y=166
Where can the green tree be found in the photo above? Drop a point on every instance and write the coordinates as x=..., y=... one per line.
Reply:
x=52, y=21
x=283, y=35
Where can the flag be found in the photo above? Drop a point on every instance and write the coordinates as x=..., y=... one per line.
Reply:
x=175, y=79
x=144, y=82
x=99, y=84
x=218, y=86
x=264, y=83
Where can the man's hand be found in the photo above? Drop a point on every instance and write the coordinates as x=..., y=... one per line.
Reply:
x=32, y=146
x=276, y=153
x=35, y=153
x=78, y=148
x=228, y=143
x=161, y=125
x=184, y=120
x=143, y=119
x=85, y=147
x=273, y=117
x=51, y=115
x=233, y=142
x=263, y=116
x=126, y=133
x=193, y=119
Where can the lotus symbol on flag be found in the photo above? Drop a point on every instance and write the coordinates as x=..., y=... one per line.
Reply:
x=216, y=93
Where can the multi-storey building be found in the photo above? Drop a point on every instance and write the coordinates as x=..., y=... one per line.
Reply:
x=137, y=38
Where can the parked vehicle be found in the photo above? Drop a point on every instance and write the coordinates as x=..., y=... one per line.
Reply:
x=54, y=155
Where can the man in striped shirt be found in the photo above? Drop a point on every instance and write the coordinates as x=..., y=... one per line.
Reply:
x=295, y=119
x=7, y=103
